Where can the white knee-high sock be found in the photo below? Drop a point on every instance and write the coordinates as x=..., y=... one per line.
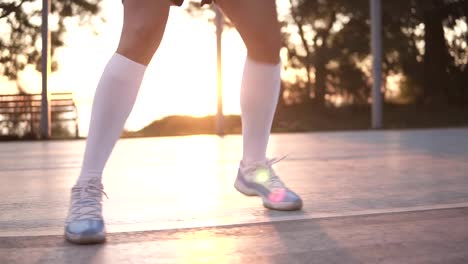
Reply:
x=114, y=99
x=259, y=96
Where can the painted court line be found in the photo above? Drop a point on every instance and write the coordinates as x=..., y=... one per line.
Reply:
x=220, y=222
x=281, y=218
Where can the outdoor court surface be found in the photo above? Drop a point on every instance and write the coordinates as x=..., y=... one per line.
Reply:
x=369, y=197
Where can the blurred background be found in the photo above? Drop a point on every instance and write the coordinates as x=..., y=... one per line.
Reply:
x=326, y=67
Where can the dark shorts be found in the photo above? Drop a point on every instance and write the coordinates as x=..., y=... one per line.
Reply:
x=180, y=2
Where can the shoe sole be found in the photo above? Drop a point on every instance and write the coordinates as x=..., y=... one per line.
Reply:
x=85, y=239
x=277, y=206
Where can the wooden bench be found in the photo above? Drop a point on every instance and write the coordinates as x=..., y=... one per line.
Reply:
x=20, y=114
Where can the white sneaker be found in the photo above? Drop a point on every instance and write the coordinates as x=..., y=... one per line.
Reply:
x=85, y=224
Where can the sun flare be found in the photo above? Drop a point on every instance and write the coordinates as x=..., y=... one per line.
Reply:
x=180, y=80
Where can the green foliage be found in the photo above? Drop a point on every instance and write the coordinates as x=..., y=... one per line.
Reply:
x=20, y=35
x=423, y=39
x=333, y=39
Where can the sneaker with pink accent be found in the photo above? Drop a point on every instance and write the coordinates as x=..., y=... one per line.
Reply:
x=259, y=179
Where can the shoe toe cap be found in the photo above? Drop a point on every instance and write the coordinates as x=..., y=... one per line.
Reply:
x=292, y=197
x=85, y=227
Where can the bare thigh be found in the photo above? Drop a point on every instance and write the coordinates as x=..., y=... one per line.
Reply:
x=143, y=28
x=257, y=23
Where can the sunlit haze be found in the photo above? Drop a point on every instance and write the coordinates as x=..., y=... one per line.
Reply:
x=181, y=79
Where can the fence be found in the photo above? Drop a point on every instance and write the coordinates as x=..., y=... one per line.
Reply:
x=20, y=115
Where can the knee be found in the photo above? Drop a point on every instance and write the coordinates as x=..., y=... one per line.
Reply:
x=265, y=47
x=139, y=41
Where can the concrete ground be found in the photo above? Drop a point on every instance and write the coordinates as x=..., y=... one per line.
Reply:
x=369, y=197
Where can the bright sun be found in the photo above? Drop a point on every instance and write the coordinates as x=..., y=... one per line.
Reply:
x=181, y=79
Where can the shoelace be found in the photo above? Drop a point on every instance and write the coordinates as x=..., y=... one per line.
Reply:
x=273, y=180
x=86, y=201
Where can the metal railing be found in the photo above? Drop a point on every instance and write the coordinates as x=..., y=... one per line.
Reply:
x=26, y=109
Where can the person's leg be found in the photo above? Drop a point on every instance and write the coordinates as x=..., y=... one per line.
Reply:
x=144, y=24
x=258, y=26
x=257, y=23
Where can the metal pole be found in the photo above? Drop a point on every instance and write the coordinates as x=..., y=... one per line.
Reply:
x=376, y=44
x=219, y=21
x=45, y=63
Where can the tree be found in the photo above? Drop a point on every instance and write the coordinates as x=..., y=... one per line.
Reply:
x=430, y=62
x=443, y=62
x=332, y=41
x=20, y=44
